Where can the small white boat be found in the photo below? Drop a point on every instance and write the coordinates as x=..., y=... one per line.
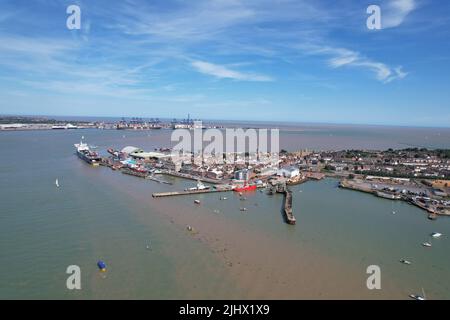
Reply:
x=223, y=198
x=393, y=212
x=436, y=235
x=405, y=262
x=417, y=297
x=243, y=209
x=197, y=201
x=426, y=244
x=57, y=183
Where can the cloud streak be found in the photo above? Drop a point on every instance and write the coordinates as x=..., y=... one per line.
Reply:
x=342, y=57
x=222, y=72
x=396, y=12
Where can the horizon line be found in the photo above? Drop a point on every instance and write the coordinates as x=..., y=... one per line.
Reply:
x=235, y=120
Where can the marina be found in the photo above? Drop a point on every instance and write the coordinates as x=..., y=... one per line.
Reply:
x=139, y=171
x=416, y=196
x=134, y=161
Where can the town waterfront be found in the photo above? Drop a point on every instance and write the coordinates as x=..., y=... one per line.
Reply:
x=101, y=214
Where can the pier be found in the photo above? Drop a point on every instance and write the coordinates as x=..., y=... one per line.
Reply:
x=188, y=192
x=191, y=177
x=287, y=208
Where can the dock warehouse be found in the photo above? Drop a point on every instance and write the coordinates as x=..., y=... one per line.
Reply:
x=149, y=155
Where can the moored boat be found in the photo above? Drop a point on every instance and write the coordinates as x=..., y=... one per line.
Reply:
x=244, y=188
x=200, y=186
x=85, y=153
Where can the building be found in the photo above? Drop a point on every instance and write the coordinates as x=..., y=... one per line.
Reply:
x=338, y=167
x=214, y=174
x=243, y=174
x=130, y=149
x=172, y=165
x=289, y=172
x=268, y=171
x=149, y=155
x=12, y=126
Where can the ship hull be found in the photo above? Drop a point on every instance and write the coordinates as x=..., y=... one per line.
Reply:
x=89, y=160
x=244, y=189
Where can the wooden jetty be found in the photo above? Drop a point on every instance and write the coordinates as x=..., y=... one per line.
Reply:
x=188, y=192
x=287, y=208
x=135, y=173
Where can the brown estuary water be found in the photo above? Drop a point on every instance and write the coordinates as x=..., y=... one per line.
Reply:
x=98, y=214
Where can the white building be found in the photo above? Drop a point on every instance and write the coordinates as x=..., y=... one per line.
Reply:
x=242, y=175
x=289, y=172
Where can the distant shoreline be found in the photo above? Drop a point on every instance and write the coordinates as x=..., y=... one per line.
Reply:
x=111, y=119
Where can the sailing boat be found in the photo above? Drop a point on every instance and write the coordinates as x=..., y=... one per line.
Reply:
x=418, y=297
x=427, y=244
x=57, y=183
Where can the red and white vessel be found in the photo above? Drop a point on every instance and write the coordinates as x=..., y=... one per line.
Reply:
x=245, y=187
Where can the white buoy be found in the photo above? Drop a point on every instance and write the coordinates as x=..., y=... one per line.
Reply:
x=57, y=183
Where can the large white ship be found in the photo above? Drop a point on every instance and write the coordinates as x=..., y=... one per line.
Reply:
x=85, y=153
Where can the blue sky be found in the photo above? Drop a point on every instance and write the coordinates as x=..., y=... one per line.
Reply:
x=285, y=60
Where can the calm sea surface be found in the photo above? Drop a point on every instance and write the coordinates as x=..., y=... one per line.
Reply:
x=101, y=214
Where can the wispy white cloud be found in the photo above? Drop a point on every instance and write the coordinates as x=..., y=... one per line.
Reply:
x=34, y=46
x=188, y=22
x=342, y=57
x=233, y=27
x=222, y=72
x=396, y=12
x=118, y=53
x=53, y=65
